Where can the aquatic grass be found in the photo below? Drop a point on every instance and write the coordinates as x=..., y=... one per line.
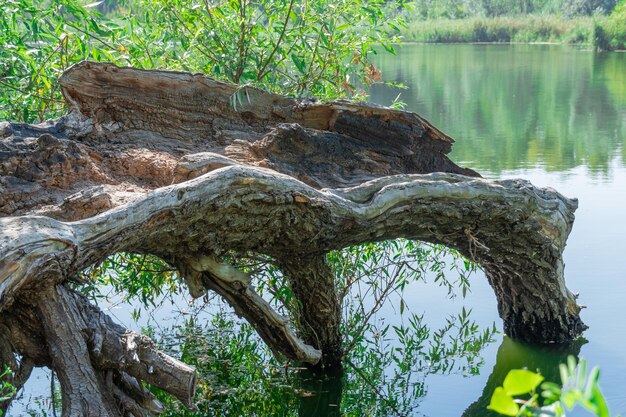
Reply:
x=505, y=29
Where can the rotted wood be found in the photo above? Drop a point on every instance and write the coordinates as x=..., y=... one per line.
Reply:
x=188, y=168
x=131, y=131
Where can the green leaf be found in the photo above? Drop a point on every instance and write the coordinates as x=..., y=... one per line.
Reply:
x=521, y=381
x=569, y=398
x=592, y=382
x=598, y=401
x=503, y=403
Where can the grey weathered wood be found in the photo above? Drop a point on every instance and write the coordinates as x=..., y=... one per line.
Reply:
x=515, y=231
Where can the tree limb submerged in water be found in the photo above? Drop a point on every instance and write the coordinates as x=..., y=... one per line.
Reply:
x=187, y=168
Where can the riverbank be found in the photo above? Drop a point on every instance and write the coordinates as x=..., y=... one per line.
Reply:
x=601, y=32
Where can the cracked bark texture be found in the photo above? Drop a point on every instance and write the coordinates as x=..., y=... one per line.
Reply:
x=187, y=168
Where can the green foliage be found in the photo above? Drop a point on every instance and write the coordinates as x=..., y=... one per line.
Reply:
x=386, y=371
x=574, y=22
x=237, y=374
x=578, y=388
x=588, y=7
x=311, y=48
x=599, y=31
x=142, y=278
x=616, y=27
x=398, y=263
x=460, y=9
x=299, y=48
x=7, y=390
x=529, y=28
x=38, y=40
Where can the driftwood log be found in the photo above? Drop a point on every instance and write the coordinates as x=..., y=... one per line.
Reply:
x=187, y=168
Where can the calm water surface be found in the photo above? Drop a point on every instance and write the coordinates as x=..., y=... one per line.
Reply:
x=556, y=116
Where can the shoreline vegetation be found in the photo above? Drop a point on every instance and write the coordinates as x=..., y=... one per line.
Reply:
x=600, y=32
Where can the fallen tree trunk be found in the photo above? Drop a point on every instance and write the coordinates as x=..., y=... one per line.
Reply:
x=188, y=169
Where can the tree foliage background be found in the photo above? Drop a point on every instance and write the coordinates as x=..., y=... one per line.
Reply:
x=457, y=9
x=302, y=48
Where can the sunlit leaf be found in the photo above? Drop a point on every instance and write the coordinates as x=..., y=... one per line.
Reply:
x=503, y=403
x=521, y=381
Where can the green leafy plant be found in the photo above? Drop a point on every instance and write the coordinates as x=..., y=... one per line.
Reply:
x=143, y=278
x=7, y=390
x=386, y=371
x=519, y=396
x=298, y=48
x=312, y=48
x=616, y=27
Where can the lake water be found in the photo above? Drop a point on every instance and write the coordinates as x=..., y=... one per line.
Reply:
x=551, y=114
x=556, y=116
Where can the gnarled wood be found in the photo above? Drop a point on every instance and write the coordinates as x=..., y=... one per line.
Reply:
x=319, y=309
x=99, y=363
x=516, y=231
x=187, y=168
x=235, y=287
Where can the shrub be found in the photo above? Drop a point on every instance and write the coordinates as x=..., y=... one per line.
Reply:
x=616, y=27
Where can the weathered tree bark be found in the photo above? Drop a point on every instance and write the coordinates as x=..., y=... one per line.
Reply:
x=187, y=168
x=319, y=315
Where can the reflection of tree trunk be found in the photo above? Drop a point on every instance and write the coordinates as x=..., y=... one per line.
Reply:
x=516, y=355
x=321, y=396
x=163, y=163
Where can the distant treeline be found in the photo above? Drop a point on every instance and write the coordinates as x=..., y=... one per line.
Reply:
x=461, y=9
x=596, y=23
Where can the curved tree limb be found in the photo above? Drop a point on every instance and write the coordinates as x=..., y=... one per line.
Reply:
x=515, y=231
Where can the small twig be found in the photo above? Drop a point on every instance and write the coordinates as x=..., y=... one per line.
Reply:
x=91, y=35
x=203, y=51
x=377, y=305
x=261, y=72
x=53, y=399
x=474, y=243
x=19, y=90
x=213, y=26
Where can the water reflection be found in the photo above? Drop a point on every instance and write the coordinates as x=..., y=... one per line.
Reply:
x=515, y=355
x=321, y=394
x=516, y=106
x=324, y=393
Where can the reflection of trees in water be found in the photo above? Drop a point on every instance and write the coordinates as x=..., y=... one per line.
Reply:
x=511, y=355
x=515, y=355
x=326, y=390
x=516, y=106
x=383, y=376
